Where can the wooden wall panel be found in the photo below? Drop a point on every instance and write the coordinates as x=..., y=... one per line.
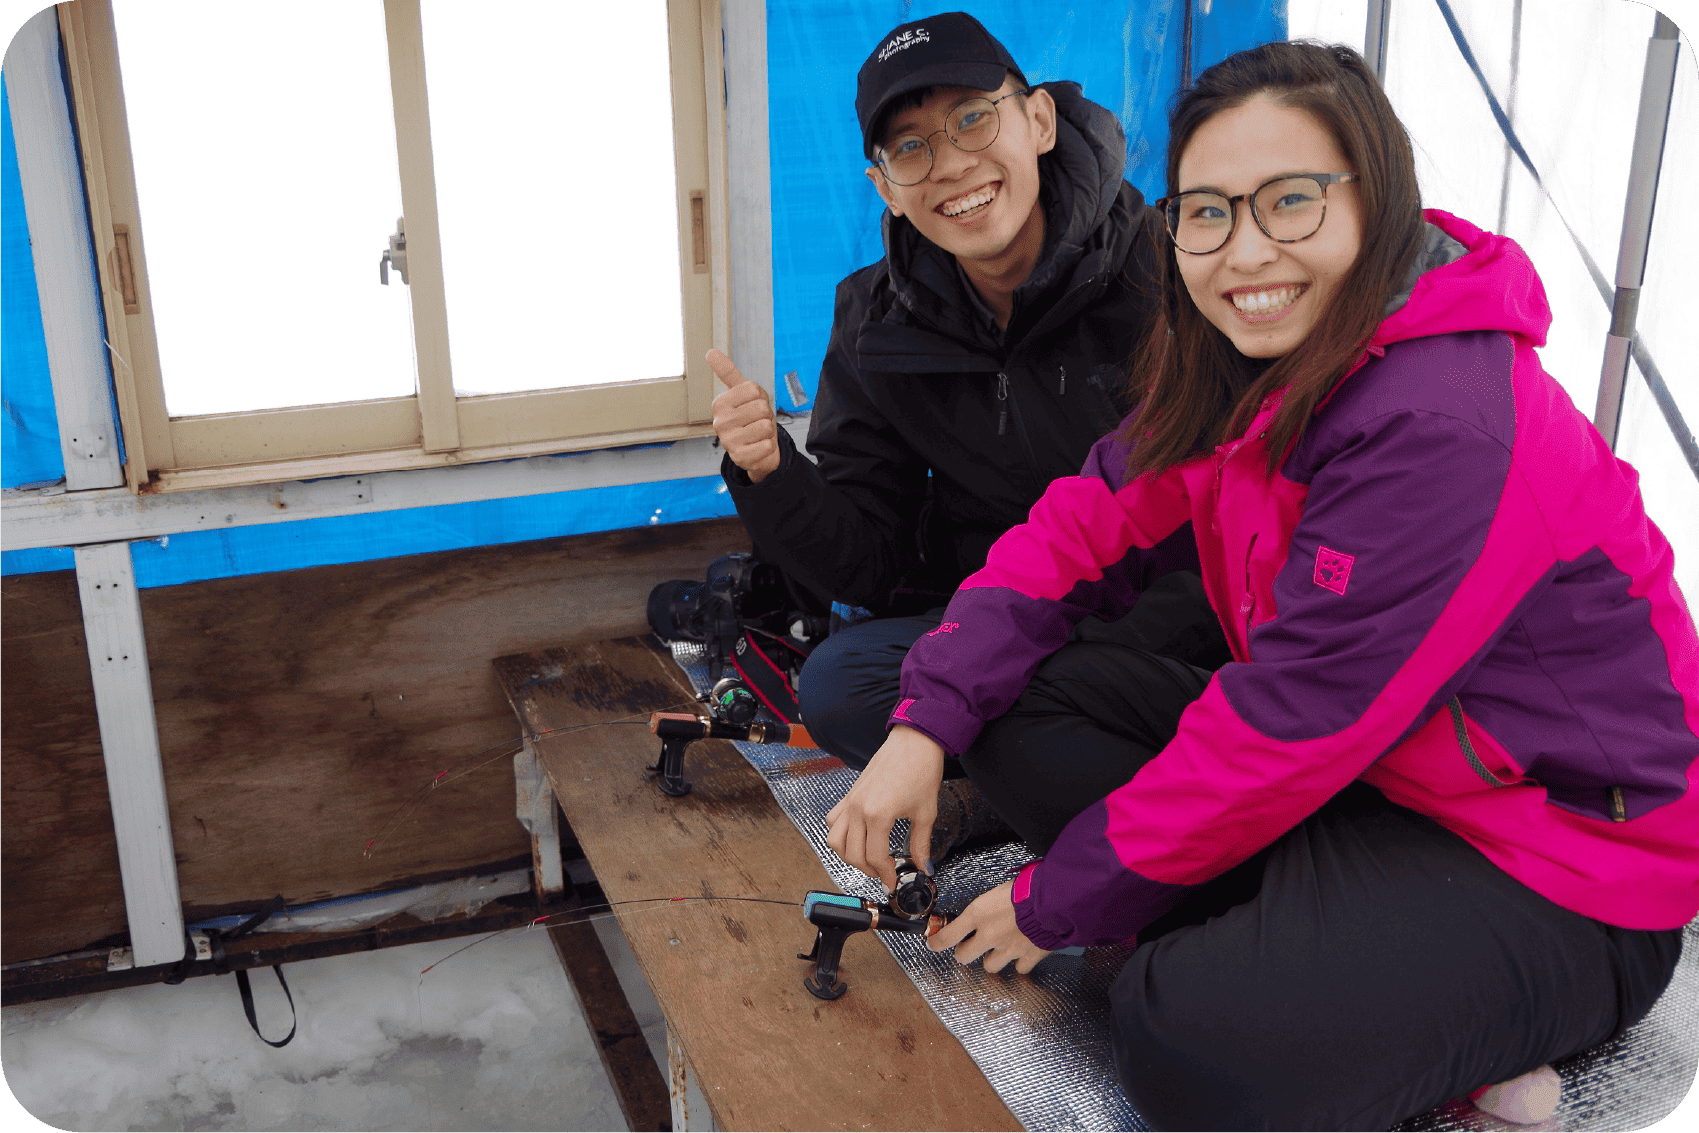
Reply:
x=297, y=711
x=58, y=856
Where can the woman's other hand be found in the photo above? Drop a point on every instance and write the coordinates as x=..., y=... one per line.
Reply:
x=987, y=930
x=900, y=781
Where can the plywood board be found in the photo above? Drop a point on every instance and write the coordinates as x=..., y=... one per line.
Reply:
x=768, y=1054
x=297, y=711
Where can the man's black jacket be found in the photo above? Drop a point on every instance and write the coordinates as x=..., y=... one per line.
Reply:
x=933, y=433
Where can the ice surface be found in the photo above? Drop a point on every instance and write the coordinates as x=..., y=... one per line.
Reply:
x=491, y=1039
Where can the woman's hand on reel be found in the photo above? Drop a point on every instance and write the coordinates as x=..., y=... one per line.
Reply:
x=900, y=781
x=987, y=930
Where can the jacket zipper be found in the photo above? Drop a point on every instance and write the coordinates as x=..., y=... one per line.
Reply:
x=1248, y=604
x=1062, y=382
x=1006, y=406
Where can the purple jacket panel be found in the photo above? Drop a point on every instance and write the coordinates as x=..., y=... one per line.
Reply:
x=1108, y=460
x=1469, y=379
x=1118, y=591
x=1466, y=671
x=973, y=666
x=1086, y=896
x=1395, y=517
x=1580, y=685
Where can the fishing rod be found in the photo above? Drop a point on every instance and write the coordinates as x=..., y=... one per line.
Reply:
x=835, y=916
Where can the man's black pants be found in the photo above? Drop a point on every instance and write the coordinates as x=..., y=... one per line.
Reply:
x=1365, y=967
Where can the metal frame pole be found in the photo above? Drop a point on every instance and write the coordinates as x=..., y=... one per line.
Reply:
x=1656, y=90
x=1374, y=37
x=1510, y=112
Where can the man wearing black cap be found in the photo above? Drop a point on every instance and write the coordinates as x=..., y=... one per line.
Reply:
x=975, y=363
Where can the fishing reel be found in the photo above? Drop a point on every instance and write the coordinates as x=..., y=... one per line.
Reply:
x=836, y=916
x=731, y=702
x=730, y=721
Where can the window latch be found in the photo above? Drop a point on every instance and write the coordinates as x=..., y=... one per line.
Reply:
x=396, y=255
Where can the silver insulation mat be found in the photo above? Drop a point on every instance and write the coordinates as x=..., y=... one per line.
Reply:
x=1043, y=1040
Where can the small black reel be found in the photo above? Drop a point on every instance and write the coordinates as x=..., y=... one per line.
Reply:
x=837, y=915
x=915, y=893
x=731, y=702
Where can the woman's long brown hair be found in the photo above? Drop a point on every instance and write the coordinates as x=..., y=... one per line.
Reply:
x=1193, y=388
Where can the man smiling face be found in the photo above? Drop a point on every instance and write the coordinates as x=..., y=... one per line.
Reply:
x=981, y=207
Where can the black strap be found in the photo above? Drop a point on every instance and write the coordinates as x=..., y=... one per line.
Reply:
x=272, y=908
x=1469, y=750
x=185, y=967
x=248, y=1005
x=764, y=661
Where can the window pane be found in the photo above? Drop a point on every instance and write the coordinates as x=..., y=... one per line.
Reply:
x=551, y=133
x=264, y=149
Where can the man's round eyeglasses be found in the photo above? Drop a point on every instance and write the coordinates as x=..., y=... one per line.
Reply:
x=1288, y=209
x=970, y=126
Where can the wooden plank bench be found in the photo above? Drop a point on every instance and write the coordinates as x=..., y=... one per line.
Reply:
x=766, y=1053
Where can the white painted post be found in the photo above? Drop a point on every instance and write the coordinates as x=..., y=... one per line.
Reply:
x=749, y=192
x=129, y=742
x=51, y=174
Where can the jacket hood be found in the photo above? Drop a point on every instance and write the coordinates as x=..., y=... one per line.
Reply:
x=1079, y=183
x=1468, y=280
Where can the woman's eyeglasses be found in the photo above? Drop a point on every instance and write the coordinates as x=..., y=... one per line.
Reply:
x=1287, y=209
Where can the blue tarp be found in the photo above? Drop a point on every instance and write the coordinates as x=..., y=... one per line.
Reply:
x=196, y=555
x=825, y=214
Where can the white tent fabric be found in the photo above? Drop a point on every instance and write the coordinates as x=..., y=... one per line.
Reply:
x=1568, y=75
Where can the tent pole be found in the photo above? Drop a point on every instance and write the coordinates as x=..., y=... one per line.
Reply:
x=1656, y=90
x=1510, y=112
x=1374, y=37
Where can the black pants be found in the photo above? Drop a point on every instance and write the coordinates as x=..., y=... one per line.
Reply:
x=1364, y=968
x=849, y=686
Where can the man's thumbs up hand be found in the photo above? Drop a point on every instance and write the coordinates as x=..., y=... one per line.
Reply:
x=743, y=420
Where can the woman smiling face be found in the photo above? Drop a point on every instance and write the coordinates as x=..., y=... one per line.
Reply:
x=1266, y=296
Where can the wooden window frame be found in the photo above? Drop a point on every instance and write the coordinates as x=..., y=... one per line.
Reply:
x=432, y=427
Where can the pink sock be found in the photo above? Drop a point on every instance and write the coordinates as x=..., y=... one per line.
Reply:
x=1521, y=1101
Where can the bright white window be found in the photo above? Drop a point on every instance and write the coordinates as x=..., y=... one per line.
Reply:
x=556, y=193
x=263, y=141
x=550, y=286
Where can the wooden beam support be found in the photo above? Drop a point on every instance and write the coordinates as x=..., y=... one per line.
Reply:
x=535, y=807
x=625, y=1053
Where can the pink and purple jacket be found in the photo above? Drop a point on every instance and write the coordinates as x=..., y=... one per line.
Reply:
x=1449, y=525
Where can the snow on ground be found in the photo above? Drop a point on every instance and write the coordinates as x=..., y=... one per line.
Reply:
x=491, y=1039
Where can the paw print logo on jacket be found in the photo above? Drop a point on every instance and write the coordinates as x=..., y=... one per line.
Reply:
x=1333, y=569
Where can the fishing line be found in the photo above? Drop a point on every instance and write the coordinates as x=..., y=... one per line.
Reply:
x=459, y=770
x=656, y=901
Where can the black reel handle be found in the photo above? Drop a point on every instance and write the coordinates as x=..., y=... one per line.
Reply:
x=678, y=730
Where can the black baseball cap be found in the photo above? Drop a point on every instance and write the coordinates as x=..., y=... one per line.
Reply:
x=948, y=50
